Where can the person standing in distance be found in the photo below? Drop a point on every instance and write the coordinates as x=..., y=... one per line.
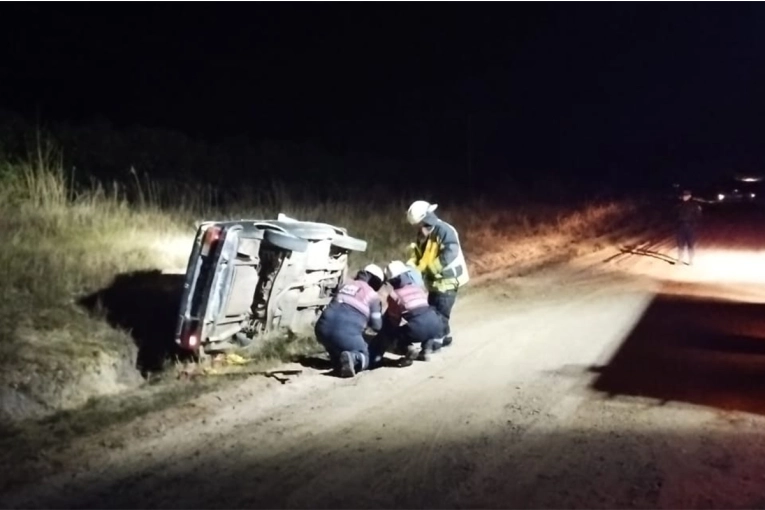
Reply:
x=437, y=255
x=688, y=217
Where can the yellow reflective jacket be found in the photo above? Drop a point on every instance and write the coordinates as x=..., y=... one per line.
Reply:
x=439, y=258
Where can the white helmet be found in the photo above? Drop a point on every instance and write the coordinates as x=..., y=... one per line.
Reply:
x=418, y=210
x=375, y=270
x=395, y=268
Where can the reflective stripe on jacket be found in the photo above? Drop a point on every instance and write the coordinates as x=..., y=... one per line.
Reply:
x=439, y=258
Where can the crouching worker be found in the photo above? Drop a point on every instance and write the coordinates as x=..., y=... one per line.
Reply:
x=341, y=325
x=409, y=301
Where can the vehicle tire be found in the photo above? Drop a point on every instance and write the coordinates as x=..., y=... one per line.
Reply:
x=285, y=241
x=349, y=243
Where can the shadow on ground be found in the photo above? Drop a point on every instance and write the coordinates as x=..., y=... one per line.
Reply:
x=565, y=469
x=701, y=351
x=322, y=363
x=647, y=248
x=316, y=362
x=145, y=303
x=648, y=253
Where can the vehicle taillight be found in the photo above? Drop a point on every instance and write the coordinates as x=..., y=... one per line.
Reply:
x=190, y=335
x=212, y=235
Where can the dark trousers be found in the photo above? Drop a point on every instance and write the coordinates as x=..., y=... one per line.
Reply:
x=386, y=340
x=686, y=239
x=419, y=328
x=424, y=326
x=443, y=302
x=340, y=331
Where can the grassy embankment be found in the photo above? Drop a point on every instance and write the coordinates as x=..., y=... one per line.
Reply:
x=59, y=245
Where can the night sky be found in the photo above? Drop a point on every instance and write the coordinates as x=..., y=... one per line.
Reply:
x=619, y=89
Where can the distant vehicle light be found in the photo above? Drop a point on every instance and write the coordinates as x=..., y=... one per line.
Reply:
x=720, y=197
x=752, y=195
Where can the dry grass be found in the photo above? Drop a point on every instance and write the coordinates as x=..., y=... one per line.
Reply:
x=58, y=243
x=514, y=237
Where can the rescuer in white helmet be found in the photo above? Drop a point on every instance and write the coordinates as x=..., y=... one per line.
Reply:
x=408, y=318
x=438, y=256
x=341, y=325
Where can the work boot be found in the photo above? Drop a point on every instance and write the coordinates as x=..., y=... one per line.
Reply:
x=361, y=362
x=426, y=351
x=447, y=341
x=409, y=357
x=347, y=368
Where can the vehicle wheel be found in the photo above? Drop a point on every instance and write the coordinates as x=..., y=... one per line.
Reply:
x=285, y=241
x=350, y=243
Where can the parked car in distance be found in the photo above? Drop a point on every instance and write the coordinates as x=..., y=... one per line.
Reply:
x=735, y=196
x=249, y=279
x=736, y=192
x=722, y=192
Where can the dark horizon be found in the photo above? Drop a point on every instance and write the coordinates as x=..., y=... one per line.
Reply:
x=624, y=91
